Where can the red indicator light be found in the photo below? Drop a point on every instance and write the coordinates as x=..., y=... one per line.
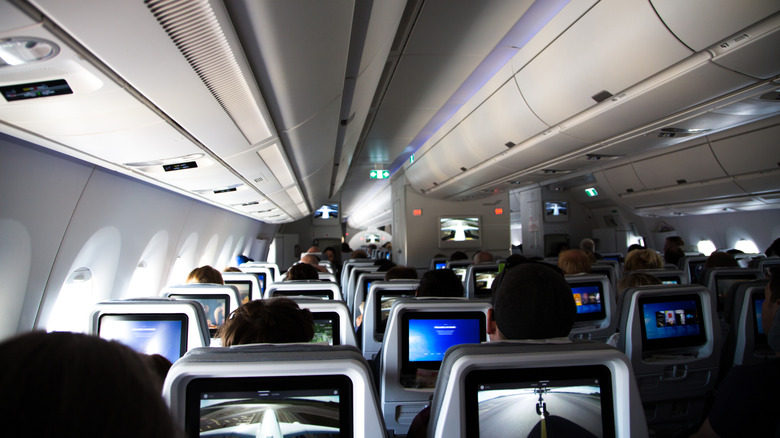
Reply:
x=417, y=212
x=499, y=211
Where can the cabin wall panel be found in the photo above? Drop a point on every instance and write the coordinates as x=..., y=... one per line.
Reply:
x=64, y=204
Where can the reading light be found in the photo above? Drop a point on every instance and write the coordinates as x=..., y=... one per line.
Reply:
x=18, y=51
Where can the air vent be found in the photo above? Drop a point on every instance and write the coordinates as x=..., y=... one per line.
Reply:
x=463, y=169
x=510, y=144
x=773, y=96
x=601, y=96
x=681, y=181
x=680, y=132
x=197, y=33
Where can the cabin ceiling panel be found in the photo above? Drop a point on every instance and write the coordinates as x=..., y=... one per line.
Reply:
x=311, y=144
x=11, y=18
x=503, y=118
x=251, y=167
x=748, y=151
x=701, y=23
x=623, y=179
x=691, y=164
x=763, y=182
x=749, y=55
x=590, y=57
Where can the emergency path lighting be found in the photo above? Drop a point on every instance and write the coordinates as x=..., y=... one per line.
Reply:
x=591, y=192
x=379, y=174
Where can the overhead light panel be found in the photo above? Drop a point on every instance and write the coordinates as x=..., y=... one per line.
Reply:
x=274, y=159
x=24, y=50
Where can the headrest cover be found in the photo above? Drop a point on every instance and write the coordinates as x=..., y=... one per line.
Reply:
x=533, y=301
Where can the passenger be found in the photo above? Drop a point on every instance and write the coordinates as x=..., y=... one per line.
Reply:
x=359, y=254
x=440, y=283
x=314, y=249
x=330, y=253
x=589, y=246
x=633, y=247
x=274, y=320
x=345, y=249
x=231, y=269
x=482, y=257
x=159, y=365
x=673, y=242
x=734, y=251
x=642, y=259
x=774, y=249
x=241, y=259
x=635, y=279
x=312, y=260
x=720, y=259
x=302, y=271
x=674, y=255
x=401, y=272
x=384, y=265
x=205, y=274
x=73, y=385
x=533, y=303
x=747, y=400
x=574, y=261
x=514, y=260
x=458, y=255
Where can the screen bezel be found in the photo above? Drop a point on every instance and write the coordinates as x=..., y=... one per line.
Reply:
x=251, y=295
x=590, y=316
x=460, y=244
x=482, y=292
x=410, y=368
x=179, y=317
x=474, y=379
x=199, y=297
x=757, y=298
x=675, y=342
x=303, y=293
x=380, y=326
x=198, y=386
x=335, y=326
x=555, y=218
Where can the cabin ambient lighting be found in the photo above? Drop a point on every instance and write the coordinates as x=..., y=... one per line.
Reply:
x=19, y=51
x=274, y=159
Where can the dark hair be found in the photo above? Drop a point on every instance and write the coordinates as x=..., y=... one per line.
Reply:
x=533, y=301
x=633, y=247
x=401, y=272
x=275, y=320
x=384, y=265
x=359, y=254
x=774, y=283
x=720, y=259
x=774, y=248
x=673, y=255
x=440, y=283
x=205, y=274
x=302, y=271
x=71, y=384
x=459, y=255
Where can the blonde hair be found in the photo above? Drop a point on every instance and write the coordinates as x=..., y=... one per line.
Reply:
x=642, y=259
x=574, y=261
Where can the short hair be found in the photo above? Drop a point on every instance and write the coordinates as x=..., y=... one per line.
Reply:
x=635, y=279
x=302, y=271
x=310, y=259
x=574, y=261
x=673, y=255
x=100, y=388
x=384, y=265
x=359, y=254
x=205, y=274
x=533, y=302
x=440, y=283
x=587, y=245
x=459, y=255
x=720, y=259
x=345, y=247
x=773, y=249
x=274, y=320
x=642, y=259
x=633, y=247
x=674, y=241
x=482, y=257
x=401, y=272
x=231, y=269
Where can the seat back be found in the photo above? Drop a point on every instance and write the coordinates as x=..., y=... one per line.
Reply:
x=765, y=264
x=479, y=279
x=325, y=290
x=152, y=325
x=327, y=276
x=218, y=300
x=247, y=284
x=273, y=268
x=353, y=279
x=751, y=344
x=672, y=337
x=361, y=290
x=608, y=269
x=667, y=276
x=438, y=263
x=263, y=273
x=381, y=296
x=719, y=280
x=264, y=389
x=575, y=389
x=460, y=267
x=693, y=267
x=351, y=264
x=331, y=320
x=419, y=331
x=596, y=317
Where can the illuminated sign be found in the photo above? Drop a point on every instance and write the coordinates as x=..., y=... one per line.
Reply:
x=379, y=174
x=591, y=192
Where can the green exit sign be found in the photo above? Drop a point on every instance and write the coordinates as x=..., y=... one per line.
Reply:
x=379, y=174
x=591, y=192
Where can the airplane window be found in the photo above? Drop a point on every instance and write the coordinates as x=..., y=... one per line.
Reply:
x=74, y=303
x=706, y=247
x=747, y=246
x=142, y=282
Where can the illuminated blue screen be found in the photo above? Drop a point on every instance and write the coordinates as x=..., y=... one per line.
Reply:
x=587, y=298
x=163, y=337
x=429, y=339
x=671, y=319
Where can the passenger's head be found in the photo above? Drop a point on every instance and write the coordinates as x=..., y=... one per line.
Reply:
x=642, y=259
x=588, y=245
x=673, y=241
x=68, y=384
x=345, y=248
x=314, y=261
x=531, y=302
x=673, y=255
x=514, y=260
x=330, y=253
x=559, y=248
x=482, y=257
x=359, y=254
x=275, y=320
x=720, y=259
x=440, y=283
x=302, y=271
x=574, y=261
x=384, y=265
x=459, y=255
x=634, y=247
x=635, y=279
x=401, y=272
x=205, y=274
x=313, y=248
x=231, y=269
x=771, y=299
x=774, y=248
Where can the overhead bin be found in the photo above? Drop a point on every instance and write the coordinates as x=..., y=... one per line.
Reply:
x=691, y=164
x=617, y=44
x=702, y=23
x=749, y=148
